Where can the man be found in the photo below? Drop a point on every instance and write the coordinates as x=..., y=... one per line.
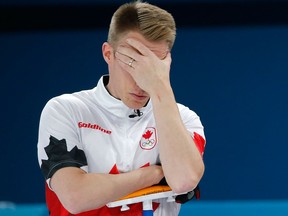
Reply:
x=98, y=145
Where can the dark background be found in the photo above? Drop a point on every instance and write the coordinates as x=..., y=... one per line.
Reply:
x=229, y=65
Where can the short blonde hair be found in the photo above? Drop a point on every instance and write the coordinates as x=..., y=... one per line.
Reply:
x=154, y=23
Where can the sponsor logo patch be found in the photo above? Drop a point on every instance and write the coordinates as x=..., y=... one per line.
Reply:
x=93, y=126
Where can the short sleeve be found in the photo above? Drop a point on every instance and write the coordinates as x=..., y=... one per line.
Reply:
x=58, y=139
x=193, y=124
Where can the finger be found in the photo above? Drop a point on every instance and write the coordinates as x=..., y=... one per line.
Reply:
x=126, y=63
x=126, y=68
x=141, y=48
x=129, y=52
x=122, y=57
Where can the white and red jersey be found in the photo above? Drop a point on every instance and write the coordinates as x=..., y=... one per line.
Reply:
x=96, y=132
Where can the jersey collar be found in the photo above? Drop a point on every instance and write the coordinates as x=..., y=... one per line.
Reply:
x=114, y=105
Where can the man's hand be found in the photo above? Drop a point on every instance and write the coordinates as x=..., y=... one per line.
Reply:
x=149, y=68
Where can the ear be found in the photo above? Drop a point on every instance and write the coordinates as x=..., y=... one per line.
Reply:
x=107, y=52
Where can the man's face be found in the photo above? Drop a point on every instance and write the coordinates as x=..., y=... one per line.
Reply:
x=121, y=84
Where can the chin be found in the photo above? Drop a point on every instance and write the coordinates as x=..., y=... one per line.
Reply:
x=136, y=105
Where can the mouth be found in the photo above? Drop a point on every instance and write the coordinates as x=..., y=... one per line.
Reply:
x=138, y=96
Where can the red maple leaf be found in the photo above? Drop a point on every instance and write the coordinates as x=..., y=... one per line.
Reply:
x=147, y=135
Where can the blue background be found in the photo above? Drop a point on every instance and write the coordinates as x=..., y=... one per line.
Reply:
x=234, y=77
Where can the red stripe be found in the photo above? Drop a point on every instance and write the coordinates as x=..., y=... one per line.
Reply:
x=200, y=142
x=145, y=165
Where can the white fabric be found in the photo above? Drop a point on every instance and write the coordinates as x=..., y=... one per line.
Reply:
x=98, y=124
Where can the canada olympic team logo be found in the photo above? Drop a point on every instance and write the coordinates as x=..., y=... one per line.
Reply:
x=148, y=139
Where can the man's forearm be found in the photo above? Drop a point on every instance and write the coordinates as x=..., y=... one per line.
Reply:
x=181, y=161
x=79, y=191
